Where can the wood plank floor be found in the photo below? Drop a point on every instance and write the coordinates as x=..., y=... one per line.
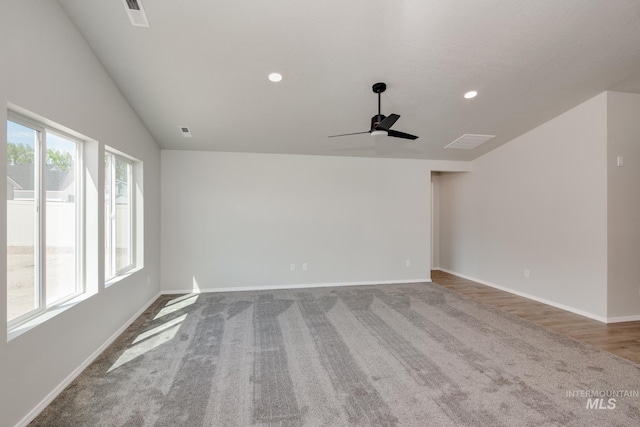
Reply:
x=622, y=339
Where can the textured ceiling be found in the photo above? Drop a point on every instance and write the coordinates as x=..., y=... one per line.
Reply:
x=204, y=64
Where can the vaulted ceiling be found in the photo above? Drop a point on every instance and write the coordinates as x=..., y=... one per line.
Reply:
x=204, y=64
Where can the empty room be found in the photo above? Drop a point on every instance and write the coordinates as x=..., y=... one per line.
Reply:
x=365, y=213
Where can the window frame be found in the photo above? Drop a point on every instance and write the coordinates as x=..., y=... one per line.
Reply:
x=40, y=232
x=110, y=271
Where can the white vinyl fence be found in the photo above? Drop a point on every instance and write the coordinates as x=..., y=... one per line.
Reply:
x=60, y=219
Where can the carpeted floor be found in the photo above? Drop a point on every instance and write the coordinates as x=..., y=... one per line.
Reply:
x=406, y=355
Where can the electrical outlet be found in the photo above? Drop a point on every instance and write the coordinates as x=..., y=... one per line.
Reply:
x=305, y=267
x=293, y=267
x=527, y=274
x=407, y=263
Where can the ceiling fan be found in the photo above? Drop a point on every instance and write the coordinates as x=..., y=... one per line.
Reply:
x=380, y=124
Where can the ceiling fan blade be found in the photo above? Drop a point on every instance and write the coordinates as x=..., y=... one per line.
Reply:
x=388, y=122
x=347, y=134
x=397, y=134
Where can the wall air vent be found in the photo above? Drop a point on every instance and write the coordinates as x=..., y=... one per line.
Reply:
x=185, y=131
x=136, y=13
x=469, y=141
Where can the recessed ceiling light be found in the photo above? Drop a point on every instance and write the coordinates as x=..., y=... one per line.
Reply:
x=275, y=77
x=470, y=94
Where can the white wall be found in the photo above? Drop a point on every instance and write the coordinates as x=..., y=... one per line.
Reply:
x=539, y=203
x=48, y=69
x=240, y=220
x=623, y=205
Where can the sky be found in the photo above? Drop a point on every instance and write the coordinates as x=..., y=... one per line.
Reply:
x=19, y=134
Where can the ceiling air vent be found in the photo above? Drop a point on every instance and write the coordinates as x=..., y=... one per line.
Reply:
x=469, y=141
x=185, y=132
x=136, y=13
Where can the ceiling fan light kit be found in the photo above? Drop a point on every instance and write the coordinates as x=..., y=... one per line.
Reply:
x=379, y=133
x=381, y=124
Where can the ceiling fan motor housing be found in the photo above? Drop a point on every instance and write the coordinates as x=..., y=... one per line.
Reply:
x=375, y=120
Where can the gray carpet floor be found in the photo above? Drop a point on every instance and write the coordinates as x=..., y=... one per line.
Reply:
x=388, y=355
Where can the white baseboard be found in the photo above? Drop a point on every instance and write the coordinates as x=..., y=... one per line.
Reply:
x=296, y=286
x=623, y=319
x=72, y=376
x=533, y=297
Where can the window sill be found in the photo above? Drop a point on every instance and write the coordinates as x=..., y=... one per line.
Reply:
x=121, y=276
x=49, y=314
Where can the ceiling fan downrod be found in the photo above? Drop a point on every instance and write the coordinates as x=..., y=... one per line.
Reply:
x=379, y=88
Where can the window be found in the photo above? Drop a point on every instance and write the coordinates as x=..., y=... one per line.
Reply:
x=118, y=205
x=44, y=221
